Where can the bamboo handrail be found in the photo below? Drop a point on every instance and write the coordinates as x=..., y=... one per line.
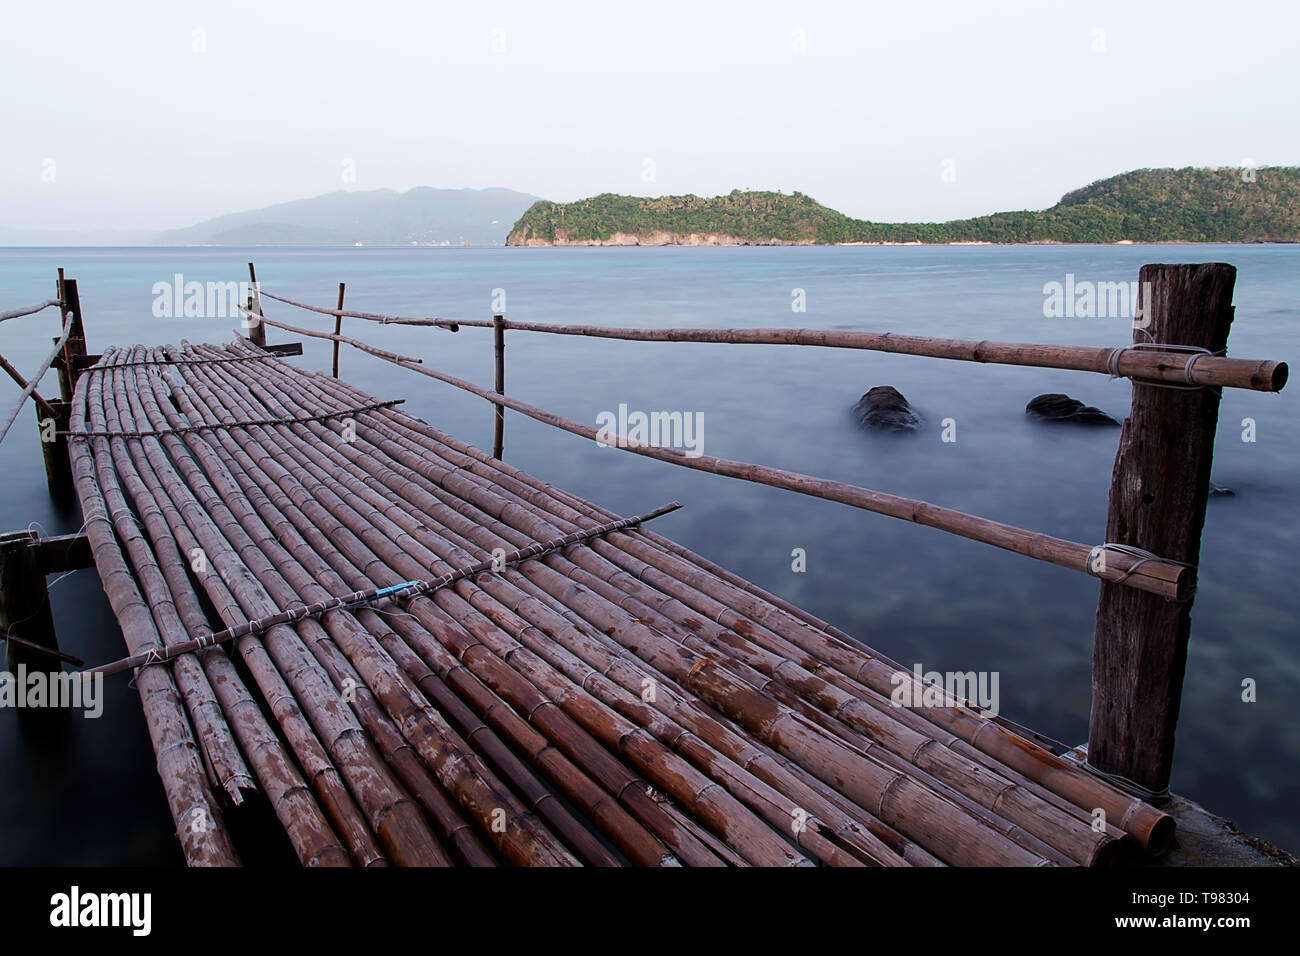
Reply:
x=1169, y=579
x=1143, y=365
x=23, y=384
x=36, y=379
x=27, y=310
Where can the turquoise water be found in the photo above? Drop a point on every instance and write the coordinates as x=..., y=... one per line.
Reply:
x=86, y=791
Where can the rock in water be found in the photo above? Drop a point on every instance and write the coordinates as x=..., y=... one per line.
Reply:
x=1220, y=490
x=1055, y=407
x=885, y=408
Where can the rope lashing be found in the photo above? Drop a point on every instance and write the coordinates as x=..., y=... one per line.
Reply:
x=1142, y=556
x=305, y=419
x=1194, y=353
x=408, y=589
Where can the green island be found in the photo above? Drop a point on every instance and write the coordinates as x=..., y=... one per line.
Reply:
x=1146, y=205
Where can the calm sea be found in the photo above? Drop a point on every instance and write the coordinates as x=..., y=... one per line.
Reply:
x=85, y=791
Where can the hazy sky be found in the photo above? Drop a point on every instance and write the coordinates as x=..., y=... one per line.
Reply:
x=159, y=114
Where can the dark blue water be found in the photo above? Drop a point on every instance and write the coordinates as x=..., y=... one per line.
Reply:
x=87, y=791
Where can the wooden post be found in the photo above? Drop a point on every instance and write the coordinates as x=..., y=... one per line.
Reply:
x=54, y=448
x=257, y=332
x=338, y=329
x=25, y=603
x=69, y=305
x=54, y=419
x=1158, y=493
x=499, y=412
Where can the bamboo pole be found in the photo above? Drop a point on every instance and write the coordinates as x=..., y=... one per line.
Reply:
x=22, y=383
x=1171, y=367
x=27, y=310
x=1167, y=579
x=36, y=379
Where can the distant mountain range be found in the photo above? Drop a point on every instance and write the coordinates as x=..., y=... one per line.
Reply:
x=1147, y=205
x=378, y=217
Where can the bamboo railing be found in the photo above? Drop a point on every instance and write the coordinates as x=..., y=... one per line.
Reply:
x=1150, y=365
x=1187, y=316
x=1167, y=579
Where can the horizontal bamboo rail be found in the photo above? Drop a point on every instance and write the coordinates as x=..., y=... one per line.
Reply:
x=1168, y=579
x=1147, y=364
x=27, y=310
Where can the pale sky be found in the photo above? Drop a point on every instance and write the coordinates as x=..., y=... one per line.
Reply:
x=136, y=114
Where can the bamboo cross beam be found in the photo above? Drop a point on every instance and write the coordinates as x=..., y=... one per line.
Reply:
x=1143, y=364
x=1147, y=573
x=36, y=379
x=41, y=649
x=248, y=423
x=44, y=406
x=407, y=589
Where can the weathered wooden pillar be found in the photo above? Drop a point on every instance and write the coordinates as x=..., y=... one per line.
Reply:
x=338, y=328
x=499, y=411
x=1159, y=489
x=54, y=448
x=257, y=329
x=53, y=421
x=25, y=603
x=70, y=307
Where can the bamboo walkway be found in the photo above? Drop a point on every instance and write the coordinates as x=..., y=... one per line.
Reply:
x=421, y=655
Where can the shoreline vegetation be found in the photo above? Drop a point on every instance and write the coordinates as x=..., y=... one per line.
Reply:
x=1187, y=205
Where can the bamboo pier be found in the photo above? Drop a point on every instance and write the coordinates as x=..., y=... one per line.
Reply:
x=610, y=702
x=414, y=653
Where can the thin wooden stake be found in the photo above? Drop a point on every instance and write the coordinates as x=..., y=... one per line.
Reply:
x=338, y=328
x=499, y=412
x=257, y=333
x=1159, y=490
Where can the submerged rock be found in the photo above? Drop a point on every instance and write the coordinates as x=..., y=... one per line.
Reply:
x=885, y=408
x=1054, y=407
